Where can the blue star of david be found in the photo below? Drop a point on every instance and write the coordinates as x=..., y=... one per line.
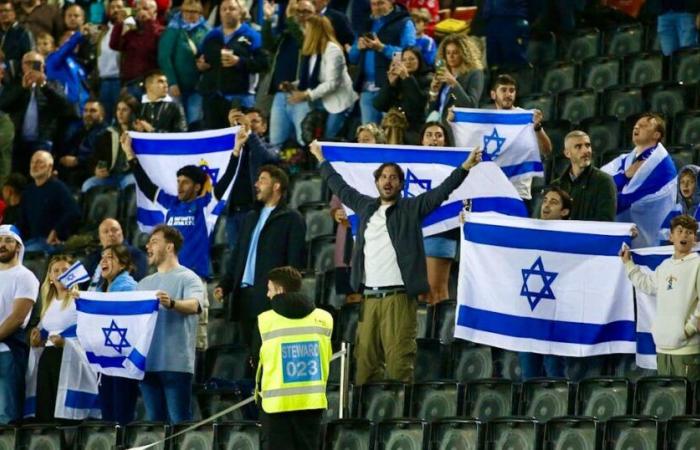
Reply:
x=411, y=178
x=498, y=140
x=537, y=269
x=213, y=173
x=121, y=332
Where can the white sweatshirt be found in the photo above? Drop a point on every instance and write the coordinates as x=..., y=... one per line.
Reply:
x=676, y=284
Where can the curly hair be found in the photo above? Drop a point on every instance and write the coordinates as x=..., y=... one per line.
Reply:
x=468, y=49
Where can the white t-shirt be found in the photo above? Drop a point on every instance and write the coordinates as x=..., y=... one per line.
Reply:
x=17, y=282
x=56, y=318
x=381, y=265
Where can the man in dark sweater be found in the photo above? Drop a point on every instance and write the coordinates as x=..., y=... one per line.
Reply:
x=16, y=40
x=50, y=214
x=592, y=190
x=389, y=265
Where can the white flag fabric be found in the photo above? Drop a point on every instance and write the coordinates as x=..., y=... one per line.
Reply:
x=76, y=274
x=506, y=136
x=545, y=286
x=648, y=197
x=162, y=154
x=115, y=330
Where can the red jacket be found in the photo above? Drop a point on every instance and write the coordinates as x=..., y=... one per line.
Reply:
x=139, y=49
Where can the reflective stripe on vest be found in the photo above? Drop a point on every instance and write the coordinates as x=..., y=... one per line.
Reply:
x=294, y=331
x=294, y=391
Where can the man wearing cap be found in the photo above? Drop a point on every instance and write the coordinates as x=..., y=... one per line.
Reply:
x=19, y=289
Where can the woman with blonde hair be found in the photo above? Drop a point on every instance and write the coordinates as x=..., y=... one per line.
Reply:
x=324, y=82
x=459, y=76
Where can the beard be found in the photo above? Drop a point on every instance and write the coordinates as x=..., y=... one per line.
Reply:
x=7, y=256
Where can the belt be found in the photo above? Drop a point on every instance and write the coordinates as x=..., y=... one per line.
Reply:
x=383, y=292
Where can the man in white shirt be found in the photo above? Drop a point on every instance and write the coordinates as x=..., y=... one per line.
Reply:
x=108, y=61
x=19, y=289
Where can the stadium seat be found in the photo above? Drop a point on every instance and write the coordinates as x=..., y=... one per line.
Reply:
x=347, y=322
x=559, y=77
x=682, y=155
x=431, y=360
x=333, y=397
x=456, y=433
x=685, y=65
x=99, y=203
x=318, y=220
x=219, y=232
x=510, y=433
x=348, y=434
x=93, y=436
x=403, y=434
x=544, y=398
x=544, y=102
x=557, y=162
x=505, y=362
x=644, y=68
x=683, y=433
x=242, y=434
x=470, y=361
x=603, y=398
x=662, y=397
x=425, y=320
x=622, y=102
x=212, y=401
x=382, y=401
x=8, y=436
x=305, y=189
x=435, y=400
x=201, y=438
x=583, y=44
x=579, y=433
x=542, y=48
x=311, y=285
x=632, y=432
x=605, y=133
x=526, y=79
x=601, y=73
x=696, y=401
x=487, y=399
x=625, y=40
x=220, y=259
x=577, y=105
x=322, y=253
x=625, y=366
x=668, y=98
x=444, y=320
x=137, y=434
x=226, y=362
x=127, y=208
x=686, y=128
x=221, y=331
x=651, y=38
x=37, y=263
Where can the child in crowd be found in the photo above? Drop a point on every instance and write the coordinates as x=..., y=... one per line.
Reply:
x=676, y=285
x=687, y=199
x=421, y=18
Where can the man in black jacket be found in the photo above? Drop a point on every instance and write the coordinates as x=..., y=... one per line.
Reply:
x=271, y=236
x=389, y=265
x=16, y=40
x=340, y=22
x=158, y=111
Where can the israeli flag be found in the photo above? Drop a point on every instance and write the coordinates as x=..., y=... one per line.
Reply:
x=545, y=286
x=76, y=274
x=115, y=329
x=506, y=136
x=162, y=154
x=648, y=197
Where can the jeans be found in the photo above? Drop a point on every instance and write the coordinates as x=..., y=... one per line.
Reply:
x=11, y=388
x=192, y=104
x=121, y=180
x=506, y=41
x=109, y=96
x=676, y=30
x=367, y=109
x=167, y=396
x=118, y=398
x=534, y=365
x=335, y=123
x=246, y=100
x=285, y=119
x=39, y=245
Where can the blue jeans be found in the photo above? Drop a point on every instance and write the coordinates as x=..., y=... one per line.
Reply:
x=246, y=100
x=11, y=388
x=120, y=180
x=506, y=41
x=676, y=30
x=167, y=396
x=534, y=365
x=118, y=398
x=285, y=119
x=368, y=111
x=109, y=96
x=192, y=104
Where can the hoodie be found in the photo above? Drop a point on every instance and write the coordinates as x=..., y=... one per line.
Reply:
x=689, y=205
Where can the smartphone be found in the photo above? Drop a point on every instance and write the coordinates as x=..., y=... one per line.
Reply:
x=36, y=65
x=396, y=58
x=370, y=35
x=439, y=66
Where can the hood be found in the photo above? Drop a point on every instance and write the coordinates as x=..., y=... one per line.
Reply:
x=689, y=205
x=292, y=305
x=177, y=22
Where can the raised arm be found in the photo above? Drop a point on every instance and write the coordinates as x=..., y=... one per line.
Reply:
x=144, y=183
x=645, y=282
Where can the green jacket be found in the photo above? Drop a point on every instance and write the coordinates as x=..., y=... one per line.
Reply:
x=177, y=57
x=594, y=194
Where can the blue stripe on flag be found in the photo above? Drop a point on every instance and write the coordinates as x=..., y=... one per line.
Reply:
x=105, y=361
x=184, y=146
x=380, y=155
x=29, y=406
x=149, y=217
x=519, y=169
x=544, y=329
x=70, y=332
x=544, y=240
x=137, y=359
x=443, y=212
x=82, y=400
x=663, y=173
x=219, y=208
x=503, y=205
x=492, y=118
x=44, y=334
x=650, y=261
x=127, y=308
x=645, y=344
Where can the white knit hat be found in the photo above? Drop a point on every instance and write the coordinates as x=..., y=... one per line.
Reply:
x=13, y=232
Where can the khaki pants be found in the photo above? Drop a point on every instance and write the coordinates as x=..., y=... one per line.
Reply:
x=385, y=346
x=203, y=321
x=679, y=365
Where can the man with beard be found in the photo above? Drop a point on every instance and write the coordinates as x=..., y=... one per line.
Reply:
x=167, y=385
x=389, y=265
x=73, y=161
x=19, y=289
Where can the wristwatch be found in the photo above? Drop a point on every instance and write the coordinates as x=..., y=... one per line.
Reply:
x=172, y=304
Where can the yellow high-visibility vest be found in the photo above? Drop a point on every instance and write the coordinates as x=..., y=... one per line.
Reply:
x=294, y=361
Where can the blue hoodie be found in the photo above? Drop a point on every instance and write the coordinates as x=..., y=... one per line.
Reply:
x=62, y=66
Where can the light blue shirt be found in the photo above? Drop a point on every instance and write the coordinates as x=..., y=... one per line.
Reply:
x=249, y=272
x=31, y=118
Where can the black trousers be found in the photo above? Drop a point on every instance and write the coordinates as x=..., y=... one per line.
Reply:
x=297, y=430
x=47, y=383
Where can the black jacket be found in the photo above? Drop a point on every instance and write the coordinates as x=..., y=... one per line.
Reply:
x=16, y=41
x=403, y=220
x=593, y=193
x=341, y=25
x=281, y=243
x=165, y=116
x=411, y=95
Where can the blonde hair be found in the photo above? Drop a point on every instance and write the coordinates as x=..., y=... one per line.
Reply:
x=372, y=129
x=48, y=290
x=318, y=32
x=468, y=50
